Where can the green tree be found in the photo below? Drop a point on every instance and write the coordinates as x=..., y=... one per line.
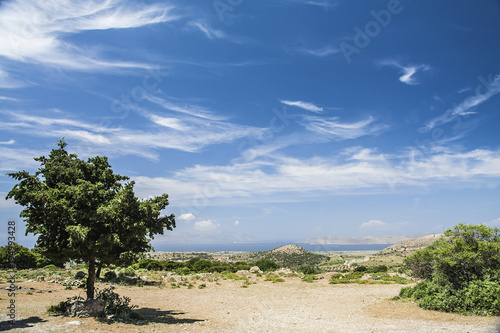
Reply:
x=460, y=271
x=23, y=257
x=82, y=211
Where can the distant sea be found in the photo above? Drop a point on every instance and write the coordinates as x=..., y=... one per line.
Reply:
x=252, y=247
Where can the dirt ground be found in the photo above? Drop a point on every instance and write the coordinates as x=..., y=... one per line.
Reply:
x=224, y=306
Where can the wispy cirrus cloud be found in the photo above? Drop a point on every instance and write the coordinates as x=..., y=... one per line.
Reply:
x=35, y=31
x=336, y=129
x=209, y=32
x=408, y=72
x=326, y=51
x=466, y=107
x=303, y=105
x=182, y=127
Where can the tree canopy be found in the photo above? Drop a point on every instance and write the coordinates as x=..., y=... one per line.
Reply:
x=460, y=271
x=82, y=210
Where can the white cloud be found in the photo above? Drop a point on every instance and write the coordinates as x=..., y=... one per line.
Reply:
x=209, y=32
x=6, y=81
x=467, y=106
x=338, y=130
x=185, y=217
x=206, y=225
x=10, y=142
x=408, y=73
x=178, y=131
x=321, y=52
x=12, y=159
x=373, y=224
x=35, y=31
x=356, y=171
x=303, y=105
x=236, y=222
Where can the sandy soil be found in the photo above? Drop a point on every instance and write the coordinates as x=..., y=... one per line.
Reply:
x=224, y=306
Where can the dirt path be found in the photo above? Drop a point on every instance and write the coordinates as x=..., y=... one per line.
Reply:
x=290, y=306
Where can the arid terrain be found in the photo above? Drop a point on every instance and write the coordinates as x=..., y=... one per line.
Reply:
x=263, y=306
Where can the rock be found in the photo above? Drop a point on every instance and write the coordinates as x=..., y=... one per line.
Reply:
x=255, y=269
x=40, y=278
x=74, y=323
x=89, y=308
x=79, y=275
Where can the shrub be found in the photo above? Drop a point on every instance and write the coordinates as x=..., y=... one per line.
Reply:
x=183, y=271
x=308, y=270
x=274, y=278
x=110, y=276
x=126, y=272
x=61, y=308
x=460, y=272
x=50, y=267
x=113, y=303
x=267, y=265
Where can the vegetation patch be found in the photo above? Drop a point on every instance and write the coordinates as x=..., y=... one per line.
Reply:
x=274, y=278
x=460, y=272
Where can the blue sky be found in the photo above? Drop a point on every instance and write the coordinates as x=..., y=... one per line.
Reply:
x=264, y=120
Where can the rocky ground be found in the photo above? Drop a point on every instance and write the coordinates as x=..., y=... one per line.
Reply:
x=225, y=306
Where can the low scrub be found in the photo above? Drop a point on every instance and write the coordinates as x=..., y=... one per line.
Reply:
x=460, y=272
x=274, y=278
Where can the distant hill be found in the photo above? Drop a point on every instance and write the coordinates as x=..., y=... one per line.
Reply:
x=290, y=256
x=387, y=239
x=409, y=246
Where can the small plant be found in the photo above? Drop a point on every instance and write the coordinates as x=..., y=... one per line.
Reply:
x=61, y=308
x=274, y=278
x=190, y=286
x=309, y=278
x=119, y=306
x=202, y=286
x=110, y=276
x=68, y=288
x=51, y=267
x=29, y=293
x=126, y=272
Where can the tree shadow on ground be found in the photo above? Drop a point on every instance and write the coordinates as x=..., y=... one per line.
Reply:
x=151, y=315
x=24, y=323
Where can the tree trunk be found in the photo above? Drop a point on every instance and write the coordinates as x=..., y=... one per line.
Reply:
x=98, y=273
x=91, y=280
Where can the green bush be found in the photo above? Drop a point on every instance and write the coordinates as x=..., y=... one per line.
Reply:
x=113, y=303
x=126, y=272
x=62, y=306
x=110, y=276
x=267, y=265
x=183, y=271
x=274, y=278
x=24, y=258
x=308, y=270
x=460, y=272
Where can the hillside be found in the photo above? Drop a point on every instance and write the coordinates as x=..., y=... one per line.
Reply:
x=409, y=246
x=290, y=256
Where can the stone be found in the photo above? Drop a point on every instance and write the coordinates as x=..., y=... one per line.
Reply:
x=40, y=278
x=80, y=275
x=255, y=269
x=83, y=309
